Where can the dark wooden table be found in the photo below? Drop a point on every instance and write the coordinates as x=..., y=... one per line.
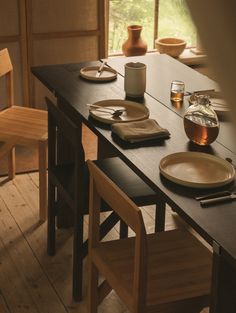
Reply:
x=215, y=224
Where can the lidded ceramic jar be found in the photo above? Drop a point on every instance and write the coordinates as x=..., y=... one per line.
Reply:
x=201, y=123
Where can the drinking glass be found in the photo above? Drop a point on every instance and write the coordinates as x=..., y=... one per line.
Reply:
x=177, y=91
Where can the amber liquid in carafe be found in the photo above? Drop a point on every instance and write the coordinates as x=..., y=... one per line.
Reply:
x=200, y=129
x=176, y=96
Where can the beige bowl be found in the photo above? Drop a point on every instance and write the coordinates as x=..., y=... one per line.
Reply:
x=171, y=46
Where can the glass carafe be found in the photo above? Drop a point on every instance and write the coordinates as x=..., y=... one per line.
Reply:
x=201, y=122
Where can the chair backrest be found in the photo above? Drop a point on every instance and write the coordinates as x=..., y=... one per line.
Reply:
x=60, y=124
x=57, y=120
x=6, y=69
x=101, y=187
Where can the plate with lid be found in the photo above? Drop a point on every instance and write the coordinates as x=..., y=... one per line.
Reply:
x=131, y=111
x=91, y=73
x=197, y=170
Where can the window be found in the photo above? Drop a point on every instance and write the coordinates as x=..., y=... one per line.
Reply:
x=159, y=18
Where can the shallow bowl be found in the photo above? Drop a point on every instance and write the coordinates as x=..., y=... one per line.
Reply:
x=171, y=46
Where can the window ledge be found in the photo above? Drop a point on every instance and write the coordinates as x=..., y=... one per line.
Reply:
x=187, y=57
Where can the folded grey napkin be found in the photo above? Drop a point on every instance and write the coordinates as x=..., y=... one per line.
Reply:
x=140, y=131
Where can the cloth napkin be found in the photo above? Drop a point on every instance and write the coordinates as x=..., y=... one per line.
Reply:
x=140, y=131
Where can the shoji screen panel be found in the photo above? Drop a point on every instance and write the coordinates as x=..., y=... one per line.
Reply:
x=63, y=31
x=13, y=37
x=65, y=50
x=63, y=15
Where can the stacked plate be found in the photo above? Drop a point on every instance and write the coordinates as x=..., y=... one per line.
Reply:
x=103, y=111
x=92, y=73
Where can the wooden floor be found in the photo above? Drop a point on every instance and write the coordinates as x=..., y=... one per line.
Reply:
x=31, y=281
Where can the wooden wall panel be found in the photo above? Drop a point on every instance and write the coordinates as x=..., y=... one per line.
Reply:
x=9, y=18
x=39, y=32
x=63, y=31
x=13, y=37
x=65, y=50
x=63, y=15
x=40, y=92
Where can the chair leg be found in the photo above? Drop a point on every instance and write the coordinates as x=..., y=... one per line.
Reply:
x=123, y=230
x=160, y=216
x=92, y=287
x=78, y=258
x=11, y=164
x=43, y=180
x=51, y=236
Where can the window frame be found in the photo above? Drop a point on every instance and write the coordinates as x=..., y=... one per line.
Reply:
x=187, y=51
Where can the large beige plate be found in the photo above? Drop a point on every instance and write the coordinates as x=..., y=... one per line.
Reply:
x=133, y=111
x=217, y=102
x=196, y=169
x=90, y=72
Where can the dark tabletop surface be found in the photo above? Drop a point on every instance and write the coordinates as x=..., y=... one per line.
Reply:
x=161, y=71
x=213, y=223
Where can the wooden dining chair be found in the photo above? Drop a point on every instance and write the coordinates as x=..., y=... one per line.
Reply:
x=70, y=179
x=5, y=147
x=29, y=126
x=167, y=272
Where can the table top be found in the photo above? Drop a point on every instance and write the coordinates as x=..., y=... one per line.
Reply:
x=214, y=223
x=161, y=71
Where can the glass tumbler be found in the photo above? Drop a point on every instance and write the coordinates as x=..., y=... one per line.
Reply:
x=177, y=91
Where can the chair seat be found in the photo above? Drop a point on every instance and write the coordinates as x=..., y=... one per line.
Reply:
x=127, y=180
x=30, y=124
x=179, y=268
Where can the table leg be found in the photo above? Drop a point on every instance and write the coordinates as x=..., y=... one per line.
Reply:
x=65, y=154
x=160, y=215
x=223, y=297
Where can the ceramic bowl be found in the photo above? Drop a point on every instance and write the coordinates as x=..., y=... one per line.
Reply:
x=171, y=46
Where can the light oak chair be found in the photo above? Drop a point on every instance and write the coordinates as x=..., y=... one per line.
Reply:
x=29, y=126
x=167, y=272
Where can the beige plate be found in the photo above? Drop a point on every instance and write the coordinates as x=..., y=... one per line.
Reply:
x=196, y=169
x=133, y=111
x=90, y=72
x=217, y=102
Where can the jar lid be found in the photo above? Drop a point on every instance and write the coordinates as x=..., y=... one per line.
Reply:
x=203, y=99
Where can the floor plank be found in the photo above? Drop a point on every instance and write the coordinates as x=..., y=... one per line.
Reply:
x=3, y=305
x=35, y=284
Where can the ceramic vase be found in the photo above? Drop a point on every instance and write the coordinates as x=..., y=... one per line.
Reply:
x=134, y=45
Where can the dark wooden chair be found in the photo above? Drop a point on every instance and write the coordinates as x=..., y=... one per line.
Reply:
x=70, y=180
x=167, y=272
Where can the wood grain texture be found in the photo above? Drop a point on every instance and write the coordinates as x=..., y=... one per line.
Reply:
x=75, y=14
x=9, y=18
x=161, y=71
x=26, y=126
x=145, y=271
x=214, y=223
x=14, y=49
x=28, y=286
x=6, y=147
x=22, y=204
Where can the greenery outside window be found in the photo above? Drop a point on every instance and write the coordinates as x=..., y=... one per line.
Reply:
x=159, y=18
